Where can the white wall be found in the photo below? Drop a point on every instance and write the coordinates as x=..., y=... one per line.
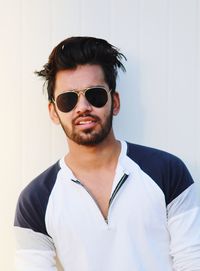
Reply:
x=160, y=91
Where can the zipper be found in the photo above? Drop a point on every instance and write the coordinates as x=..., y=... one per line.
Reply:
x=117, y=188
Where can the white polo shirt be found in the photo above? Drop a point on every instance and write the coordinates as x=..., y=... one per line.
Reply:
x=153, y=221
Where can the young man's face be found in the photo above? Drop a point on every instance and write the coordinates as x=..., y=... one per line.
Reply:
x=84, y=124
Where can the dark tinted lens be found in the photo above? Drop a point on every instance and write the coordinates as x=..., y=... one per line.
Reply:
x=97, y=97
x=66, y=101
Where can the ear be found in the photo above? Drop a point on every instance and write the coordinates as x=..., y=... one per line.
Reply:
x=53, y=113
x=116, y=103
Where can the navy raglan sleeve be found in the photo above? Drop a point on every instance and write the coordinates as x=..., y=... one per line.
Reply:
x=35, y=249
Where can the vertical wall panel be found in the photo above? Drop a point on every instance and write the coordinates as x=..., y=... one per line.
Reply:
x=36, y=129
x=10, y=119
x=124, y=33
x=95, y=18
x=153, y=70
x=66, y=19
x=182, y=83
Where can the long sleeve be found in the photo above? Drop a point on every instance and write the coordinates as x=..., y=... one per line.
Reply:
x=184, y=228
x=183, y=208
x=34, y=251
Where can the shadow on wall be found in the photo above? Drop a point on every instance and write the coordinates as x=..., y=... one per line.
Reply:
x=128, y=125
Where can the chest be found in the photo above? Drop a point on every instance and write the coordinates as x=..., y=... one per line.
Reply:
x=136, y=215
x=136, y=204
x=99, y=187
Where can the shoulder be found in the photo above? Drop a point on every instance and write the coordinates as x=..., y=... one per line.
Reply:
x=143, y=156
x=33, y=200
x=43, y=182
x=42, y=185
x=167, y=170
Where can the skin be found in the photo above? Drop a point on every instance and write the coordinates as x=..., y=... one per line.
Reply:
x=86, y=123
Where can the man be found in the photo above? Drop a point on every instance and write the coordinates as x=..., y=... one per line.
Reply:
x=107, y=205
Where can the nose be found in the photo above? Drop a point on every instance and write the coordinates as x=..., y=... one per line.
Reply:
x=83, y=105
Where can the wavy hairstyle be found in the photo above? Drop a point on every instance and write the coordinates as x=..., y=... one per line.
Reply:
x=75, y=51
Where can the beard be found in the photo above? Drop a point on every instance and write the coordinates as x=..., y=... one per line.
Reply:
x=90, y=137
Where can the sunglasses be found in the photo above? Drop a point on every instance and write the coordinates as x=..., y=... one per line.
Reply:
x=96, y=96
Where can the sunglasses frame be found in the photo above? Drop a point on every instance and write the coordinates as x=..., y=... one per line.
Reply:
x=78, y=93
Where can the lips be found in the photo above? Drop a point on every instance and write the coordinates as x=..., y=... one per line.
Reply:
x=87, y=120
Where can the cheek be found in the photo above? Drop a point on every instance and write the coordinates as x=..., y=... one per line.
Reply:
x=107, y=111
x=65, y=119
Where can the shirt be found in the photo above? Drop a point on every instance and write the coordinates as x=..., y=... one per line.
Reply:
x=153, y=221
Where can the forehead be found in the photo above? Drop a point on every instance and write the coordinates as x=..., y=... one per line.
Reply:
x=83, y=76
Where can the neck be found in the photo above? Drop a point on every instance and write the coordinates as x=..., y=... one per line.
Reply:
x=93, y=157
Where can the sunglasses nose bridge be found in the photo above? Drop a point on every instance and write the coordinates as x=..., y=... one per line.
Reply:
x=81, y=92
x=82, y=102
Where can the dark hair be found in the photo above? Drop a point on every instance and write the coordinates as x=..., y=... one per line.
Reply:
x=75, y=51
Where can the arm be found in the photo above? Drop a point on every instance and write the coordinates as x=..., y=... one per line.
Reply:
x=34, y=251
x=184, y=228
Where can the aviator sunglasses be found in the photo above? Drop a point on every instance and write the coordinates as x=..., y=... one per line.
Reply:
x=96, y=96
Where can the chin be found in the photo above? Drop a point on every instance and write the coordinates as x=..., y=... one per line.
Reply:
x=89, y=138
